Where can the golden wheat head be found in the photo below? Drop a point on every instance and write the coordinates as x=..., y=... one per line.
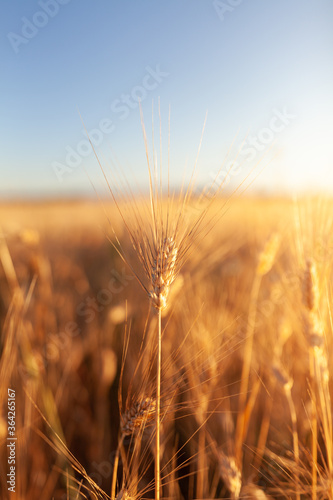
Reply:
x=231, y=475
x=138, y=415
x=123, y=495
x=163, y=272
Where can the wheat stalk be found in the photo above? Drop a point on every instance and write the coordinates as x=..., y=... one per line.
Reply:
x=314, y=334
x=264, y=265
x=286, y=382
x=163, y=245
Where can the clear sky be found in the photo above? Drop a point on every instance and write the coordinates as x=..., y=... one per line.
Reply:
x=261, y=69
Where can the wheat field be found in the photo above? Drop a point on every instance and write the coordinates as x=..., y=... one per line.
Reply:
x=243, y=404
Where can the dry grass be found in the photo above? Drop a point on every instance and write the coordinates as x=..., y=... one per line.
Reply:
x=246, y=385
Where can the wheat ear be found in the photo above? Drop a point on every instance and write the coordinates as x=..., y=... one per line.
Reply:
x=230, y=474
x=137, y=416
x=163, y=273
x=132, y=420
x=123, y=495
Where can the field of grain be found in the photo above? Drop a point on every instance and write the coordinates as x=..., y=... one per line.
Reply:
x=245, y=393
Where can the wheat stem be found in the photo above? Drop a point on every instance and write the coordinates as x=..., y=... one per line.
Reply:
x=201, y=463
x=325, y=404
x=158, y=398
x=240, y=426
x=314, y=426
x=295, y=436
x=115, y=469
x=265, y=263
x=264, y=429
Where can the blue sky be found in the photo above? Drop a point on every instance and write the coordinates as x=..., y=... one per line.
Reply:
x=259, y=69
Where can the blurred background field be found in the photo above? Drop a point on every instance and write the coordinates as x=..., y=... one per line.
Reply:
x=68, y=304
